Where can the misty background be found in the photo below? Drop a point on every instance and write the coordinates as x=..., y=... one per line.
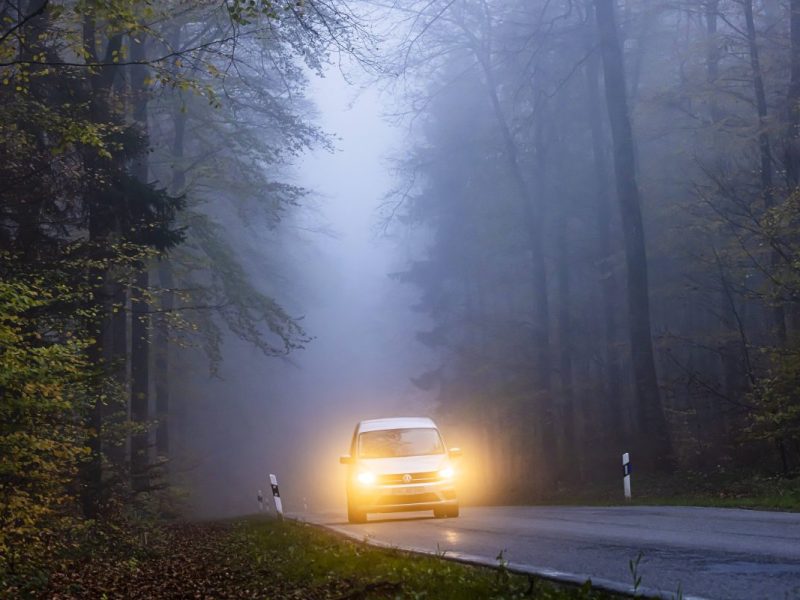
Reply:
x=483, y=244
x=294, y=417
x=565, y=230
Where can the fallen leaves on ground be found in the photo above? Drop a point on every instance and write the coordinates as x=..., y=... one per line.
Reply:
x=189, y=561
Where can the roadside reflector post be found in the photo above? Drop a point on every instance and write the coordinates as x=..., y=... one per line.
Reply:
x=626, y=475
x=260, y=501
x=276, y=494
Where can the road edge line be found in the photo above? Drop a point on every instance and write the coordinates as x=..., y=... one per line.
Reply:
x=576, y=579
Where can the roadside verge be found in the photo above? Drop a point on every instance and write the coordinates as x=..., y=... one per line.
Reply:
x=555, y=576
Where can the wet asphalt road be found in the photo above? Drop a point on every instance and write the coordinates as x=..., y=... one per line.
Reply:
x=705, y=552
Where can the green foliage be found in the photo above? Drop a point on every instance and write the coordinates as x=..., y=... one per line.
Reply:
x=230, y=166
x=776, y=401
x=247, y=312
x=84, y=209
x=75, y=225
x=244, y=12
x=56, y=43
x=44, y=378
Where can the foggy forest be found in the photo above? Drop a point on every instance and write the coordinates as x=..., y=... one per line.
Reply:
x=232, y=229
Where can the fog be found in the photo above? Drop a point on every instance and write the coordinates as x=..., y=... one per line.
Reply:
x=568, y=231
x=294, y=417
x=560, y=230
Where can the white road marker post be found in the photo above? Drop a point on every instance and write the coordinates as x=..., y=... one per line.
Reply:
x=626, y=475
x=260, y=501
x=276, y=494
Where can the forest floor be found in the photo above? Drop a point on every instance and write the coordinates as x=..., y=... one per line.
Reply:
x=266, y=558
x=692, y=488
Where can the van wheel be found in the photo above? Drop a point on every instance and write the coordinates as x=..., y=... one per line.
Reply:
x=354, y=515
x=452, y=511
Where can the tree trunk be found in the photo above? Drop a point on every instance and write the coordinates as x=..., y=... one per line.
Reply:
x=611, y=413
x=544, y=418
x=100, y=228
x=731, y=352
x=565, y=348
x=654, y=436
x=140, y=332
x=533, y=218
x=167, y=284
x=765, y=152
x=793, y=101
x=543, y=415
x=92, y=488
x=140, y=324
x=117, y=408
x=712, y=58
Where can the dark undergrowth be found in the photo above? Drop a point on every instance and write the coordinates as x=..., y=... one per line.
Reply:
x=688, y=488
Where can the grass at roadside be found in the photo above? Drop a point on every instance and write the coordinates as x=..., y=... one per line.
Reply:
x=325, y=565
x=715, y=489
x=266, y=558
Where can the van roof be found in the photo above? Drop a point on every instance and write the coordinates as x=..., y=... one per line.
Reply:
x=395, y=423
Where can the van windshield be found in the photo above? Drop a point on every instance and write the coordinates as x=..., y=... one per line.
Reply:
x=386, y=443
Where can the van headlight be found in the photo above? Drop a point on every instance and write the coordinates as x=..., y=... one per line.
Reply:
x=446, y=473
x=365, y=478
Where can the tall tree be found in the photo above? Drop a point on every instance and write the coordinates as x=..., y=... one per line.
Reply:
x=607, y=275
x=765, y=155
x=793, y=99
x=543, y=419
x=140, y=308
x=653, y=432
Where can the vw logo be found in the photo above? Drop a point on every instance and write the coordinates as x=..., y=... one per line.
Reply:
x=407, y=478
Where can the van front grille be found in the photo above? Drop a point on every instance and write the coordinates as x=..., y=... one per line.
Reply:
x=397, y=478
x=407, y=499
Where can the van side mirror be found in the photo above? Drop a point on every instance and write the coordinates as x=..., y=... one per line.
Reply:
x=346, y=459
x=455, y=452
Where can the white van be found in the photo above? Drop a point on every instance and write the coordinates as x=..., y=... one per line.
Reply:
x=399, y=464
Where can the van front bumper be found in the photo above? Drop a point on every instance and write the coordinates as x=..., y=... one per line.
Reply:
x=396, y=498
